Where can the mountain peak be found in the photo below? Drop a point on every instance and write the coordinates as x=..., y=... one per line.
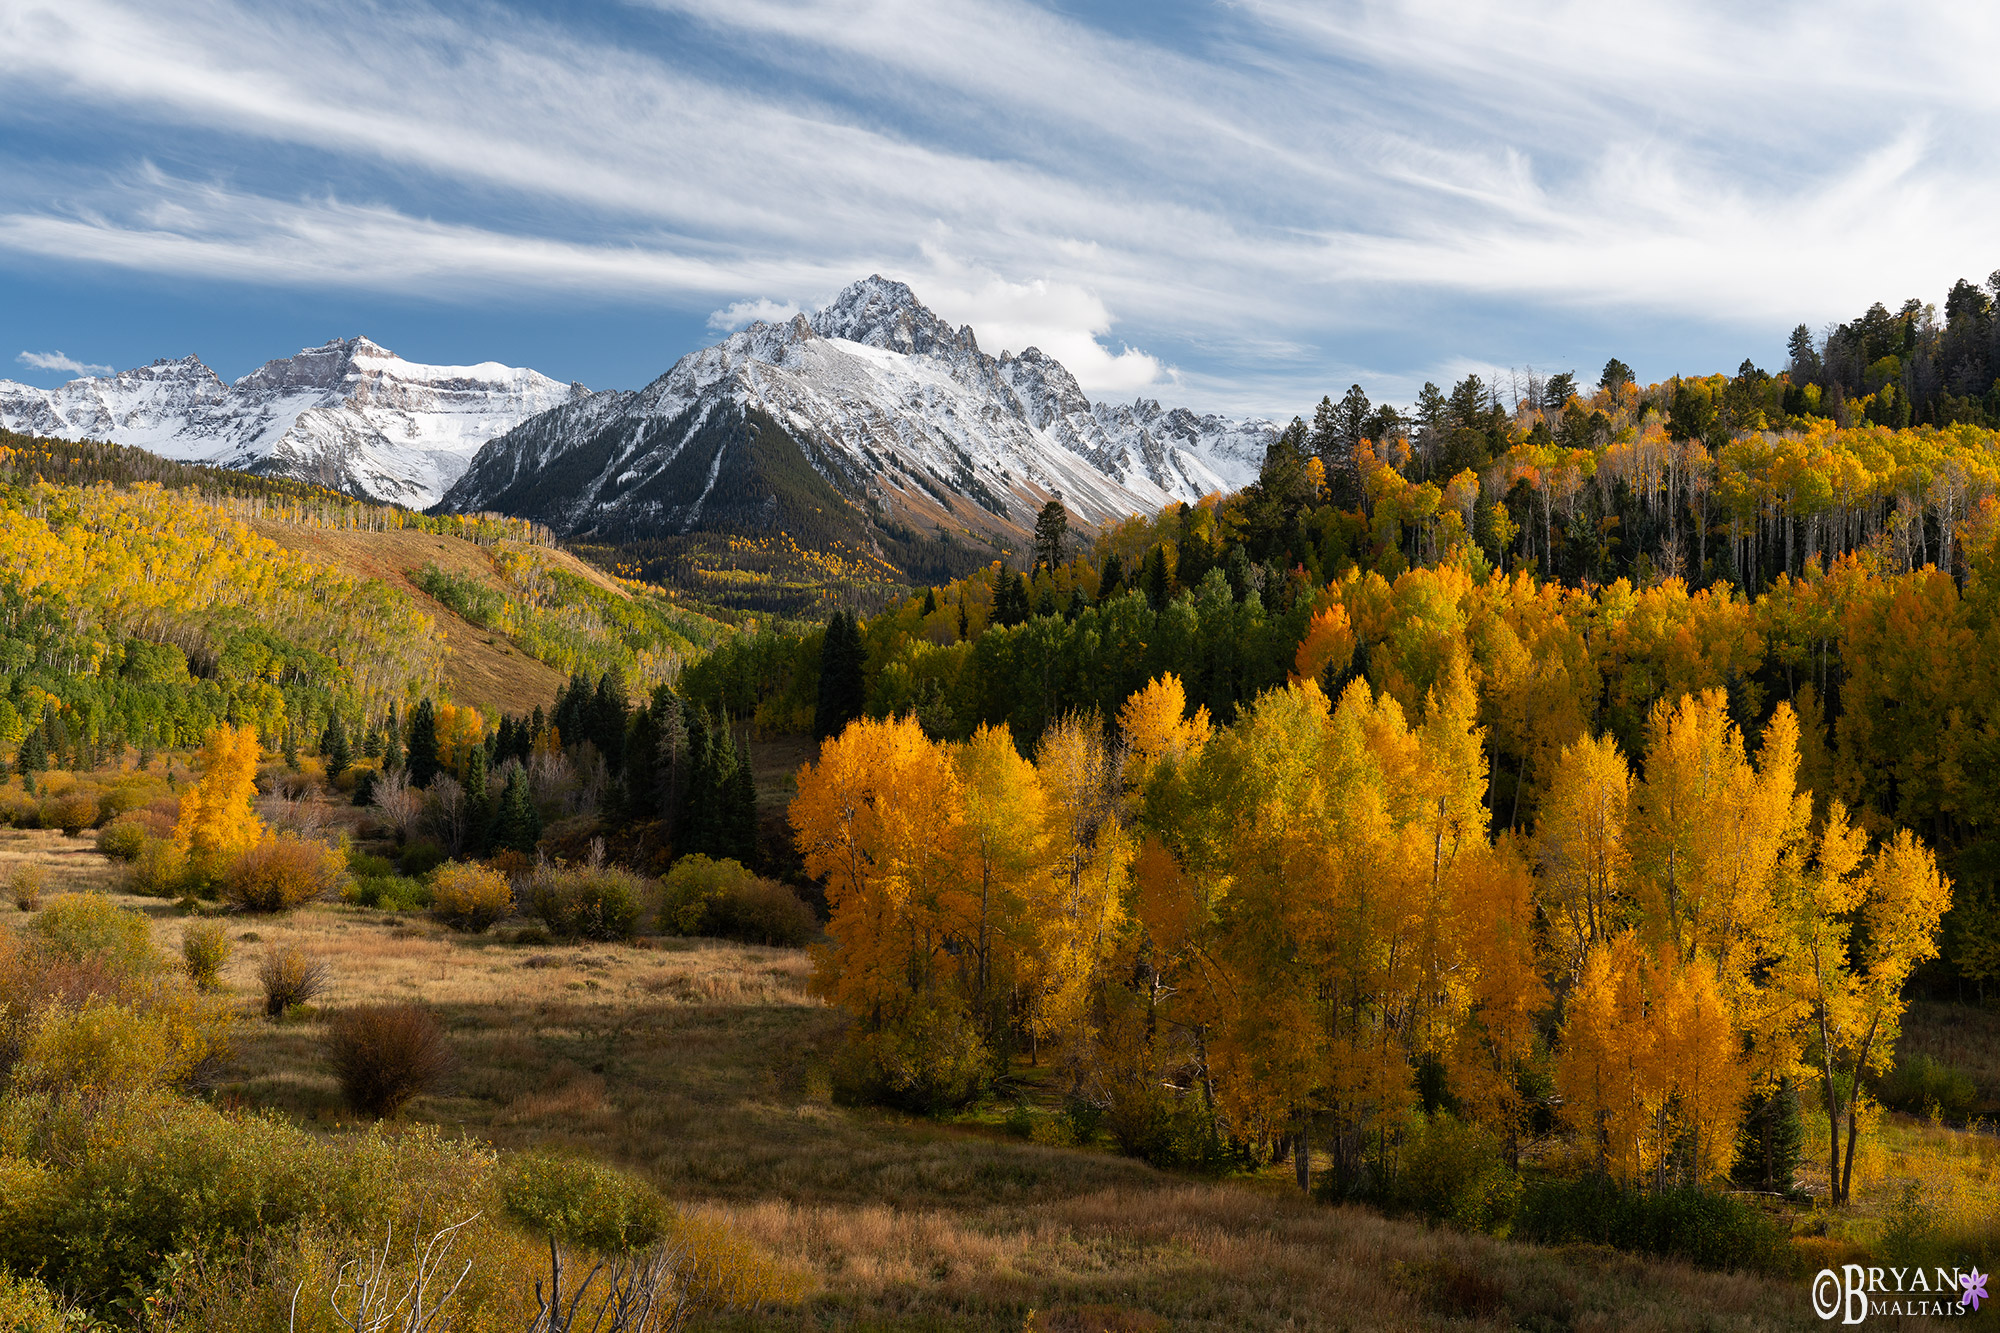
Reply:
x=882, y=312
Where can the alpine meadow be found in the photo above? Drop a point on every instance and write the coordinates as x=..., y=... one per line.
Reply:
x=991, y=792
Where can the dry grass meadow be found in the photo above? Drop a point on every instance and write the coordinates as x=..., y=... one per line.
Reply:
x=701, y=1064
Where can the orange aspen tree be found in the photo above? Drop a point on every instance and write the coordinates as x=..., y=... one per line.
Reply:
x=1606, y=1070
x=216, y=819
x=1700, y=1057
x=881, y=818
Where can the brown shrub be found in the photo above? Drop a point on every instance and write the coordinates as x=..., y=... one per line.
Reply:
x=470, y=897
x=386, y=1054
x=281, y=872
x=72, y=812
x=291, y=978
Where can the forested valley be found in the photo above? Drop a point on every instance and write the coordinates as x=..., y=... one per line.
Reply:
x=1563, y=812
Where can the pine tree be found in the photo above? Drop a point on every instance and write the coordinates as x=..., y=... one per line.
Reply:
x=642, y=765
x=1111, y=582
x=670, y=749
x=333, y=745
x=371, y=744
x=697, y=828
x=1011, y=604
x=843, y=689
x=573, y=708
x=741, y=809
x=608, y=710
x=1769, y=1142
x=1051, y=533
x=392, y=745
x=34, y=755
x=930, y=601
x=290, y=749
x=423, y=744
x=516, y=824
x=478, y=809
x=1158, y=588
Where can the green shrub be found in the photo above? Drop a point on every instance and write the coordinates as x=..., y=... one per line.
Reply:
x=78, y=927
x=159, y=869
x=579, y=1202
x=1919, y=1083
x=99, y=1047
x=122, y=839
x=470, y=897
x=701, y=896
x=389, y=893
x=1704, y=1228
x=929, y=1060
x=116, y=1188
x=1453, y=1171
x=367, y=865
x=205, y=947
x=420, y=858
x=593, y=902
x=26, y=1306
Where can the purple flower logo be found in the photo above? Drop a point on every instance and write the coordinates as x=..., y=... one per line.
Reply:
x=1975, y=1289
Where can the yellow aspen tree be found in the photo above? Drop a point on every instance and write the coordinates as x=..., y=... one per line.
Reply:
x=1157, y=729
x=1906, y=898
x=1079, y=906
x=1581, y=848
x=216, y=817
x=1328, y=644
x=1005, y=842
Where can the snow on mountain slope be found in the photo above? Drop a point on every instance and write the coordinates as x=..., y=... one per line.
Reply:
x=904, y=417
x=351, y=415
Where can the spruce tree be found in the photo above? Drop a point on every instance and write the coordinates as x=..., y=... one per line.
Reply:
x=371, y=744
x=930, y=601
x=697, y=827
x=477, y=808
x=608, y=709
x=642, y=765
x=1158, y=589
x=517, y=827
x=843, y=688
x=290, y=749
x=670, y=751
x=34, y=755
x=333, y=746
x=571, y=718
x=741, y=809
x=423, y=745
x=1111, y=582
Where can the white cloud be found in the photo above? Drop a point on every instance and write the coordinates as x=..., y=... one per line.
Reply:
x=1297, y=174
x=1062, y=319
x=742, y=314
x=59, y=361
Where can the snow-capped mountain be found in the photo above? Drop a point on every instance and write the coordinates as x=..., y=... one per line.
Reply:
x=873, y=405
x=350, y=415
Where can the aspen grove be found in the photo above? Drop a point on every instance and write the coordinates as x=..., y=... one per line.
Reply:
x=1291, y=932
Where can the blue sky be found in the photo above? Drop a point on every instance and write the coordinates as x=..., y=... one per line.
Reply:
x=1229, y=205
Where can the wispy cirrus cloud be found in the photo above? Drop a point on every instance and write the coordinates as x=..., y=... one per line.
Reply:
x=60, y=362
x=1256, y=203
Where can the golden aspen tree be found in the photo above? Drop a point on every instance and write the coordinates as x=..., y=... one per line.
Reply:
x=1700, y=1056
x=1582, y=851
x=880, y=818
x=1494, y=915
x=1005, y=842
x=1079, y=905
x=1606, y=1071
x=216, y=818
x=1157, y=729
x=1328, y=644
